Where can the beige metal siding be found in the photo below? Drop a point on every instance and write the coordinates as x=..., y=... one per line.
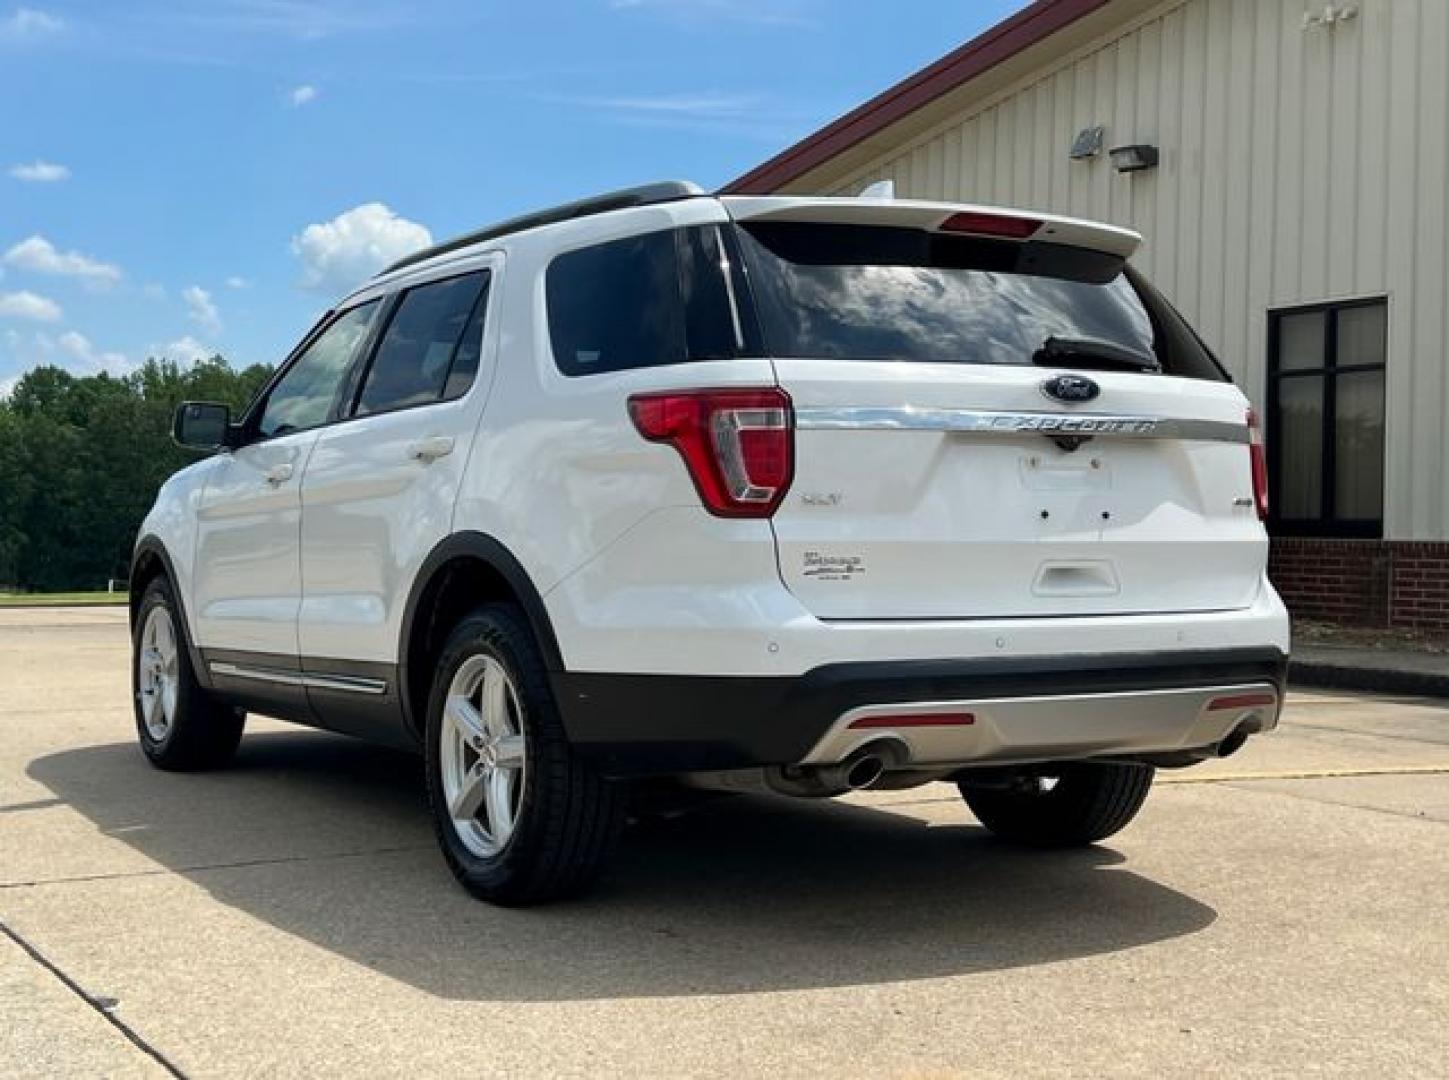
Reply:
x=1297, y=166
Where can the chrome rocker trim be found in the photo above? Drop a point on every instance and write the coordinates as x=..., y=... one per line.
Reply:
x=353, y=684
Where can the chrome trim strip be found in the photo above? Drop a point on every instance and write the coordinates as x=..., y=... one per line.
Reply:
x=985, y=422
x=353, y=683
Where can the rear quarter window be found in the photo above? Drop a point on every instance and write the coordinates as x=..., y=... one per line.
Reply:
x=642, y=301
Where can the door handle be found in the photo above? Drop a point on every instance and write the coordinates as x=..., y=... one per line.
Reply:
x=431, y=448
x=278, y=474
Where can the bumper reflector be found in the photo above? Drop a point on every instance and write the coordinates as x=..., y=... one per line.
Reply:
x=954, y=719
x=1241, y=701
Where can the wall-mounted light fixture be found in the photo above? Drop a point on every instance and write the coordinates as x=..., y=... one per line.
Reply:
x=1088, y=143
x=1135, y=158
x=1330, y=17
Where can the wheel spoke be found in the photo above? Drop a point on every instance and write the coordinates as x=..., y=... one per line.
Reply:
x=470, y=794
x=165, y=640
x=500, y=806
x=465, y=719
x=508, y=751
x=495, y=700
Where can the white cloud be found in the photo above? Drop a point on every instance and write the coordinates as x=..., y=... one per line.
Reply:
x=732, y=114
x=712, y=105
x=340, y=253
x=201, y=310
x=7, y=386
x=71, y=350
x=758, y=12
x=185, y=351
x=29, y=23
x=78, y=347
x=307, y=20
x=40, y=255
x=29, y=305
x=301, y=95
x=40, y=172
x=238, y=282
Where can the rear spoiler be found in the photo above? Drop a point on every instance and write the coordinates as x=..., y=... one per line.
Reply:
x=993, y=221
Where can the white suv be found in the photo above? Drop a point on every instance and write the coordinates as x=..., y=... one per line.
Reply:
x=801, y=494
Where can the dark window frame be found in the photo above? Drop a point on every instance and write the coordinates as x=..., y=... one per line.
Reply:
x=1327, y=524
x=362, y=365
x=252, y=418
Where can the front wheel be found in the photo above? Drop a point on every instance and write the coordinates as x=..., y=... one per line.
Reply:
x=519, y=817
x=181, y=727
x=1069, y=805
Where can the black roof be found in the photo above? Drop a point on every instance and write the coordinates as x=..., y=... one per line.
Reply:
x=643, y=195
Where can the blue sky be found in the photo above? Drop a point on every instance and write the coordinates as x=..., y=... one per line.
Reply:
x=179, y=176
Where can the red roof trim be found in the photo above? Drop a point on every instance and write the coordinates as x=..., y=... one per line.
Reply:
x=1003, y=41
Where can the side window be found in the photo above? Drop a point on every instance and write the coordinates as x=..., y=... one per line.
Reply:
x=642, y=301
x=303, y=396
x=429, y=337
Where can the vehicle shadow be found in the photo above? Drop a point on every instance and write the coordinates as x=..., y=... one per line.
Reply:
x=327, y=839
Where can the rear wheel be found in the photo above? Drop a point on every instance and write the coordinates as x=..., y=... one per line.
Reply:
x=519, y=817
x=180, y=726
x=1069, y=805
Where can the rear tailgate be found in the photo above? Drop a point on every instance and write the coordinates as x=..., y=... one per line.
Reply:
x=931, y=496
x=936, y=476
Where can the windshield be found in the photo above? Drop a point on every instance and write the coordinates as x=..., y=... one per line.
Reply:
x=857, y=292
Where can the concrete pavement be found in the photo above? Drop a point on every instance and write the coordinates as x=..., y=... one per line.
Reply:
x=1279, y=913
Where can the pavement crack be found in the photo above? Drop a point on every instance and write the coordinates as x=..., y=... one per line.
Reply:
x=197, y=868
x=106, y=1007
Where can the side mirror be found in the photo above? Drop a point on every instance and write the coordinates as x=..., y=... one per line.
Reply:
x=202, y=425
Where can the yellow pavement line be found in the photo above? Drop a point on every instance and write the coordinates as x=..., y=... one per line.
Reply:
x=1308, y=774
x=1298, y=774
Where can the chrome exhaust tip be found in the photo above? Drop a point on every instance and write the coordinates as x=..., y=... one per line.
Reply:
x=863, y=768
x=1234, y=742
x=863, y=771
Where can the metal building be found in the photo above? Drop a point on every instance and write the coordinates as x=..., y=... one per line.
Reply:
x=1286, y=162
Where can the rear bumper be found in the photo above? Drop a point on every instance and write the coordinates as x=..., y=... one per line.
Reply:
x=1025, y=709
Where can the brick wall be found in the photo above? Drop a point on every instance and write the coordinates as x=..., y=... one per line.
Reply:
x=1397, y=583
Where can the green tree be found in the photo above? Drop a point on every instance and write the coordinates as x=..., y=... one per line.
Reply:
x=81, y=458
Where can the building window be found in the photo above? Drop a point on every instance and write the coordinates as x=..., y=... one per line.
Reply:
x=1326, y=418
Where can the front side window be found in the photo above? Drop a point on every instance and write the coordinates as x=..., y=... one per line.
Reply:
x=1326, y=369
x=428, y=338
x=642, y=301
x=302, y=398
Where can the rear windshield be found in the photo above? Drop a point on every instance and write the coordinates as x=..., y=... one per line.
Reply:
x=852, y=292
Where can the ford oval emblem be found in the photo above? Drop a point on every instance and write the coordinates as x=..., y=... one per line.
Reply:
x=1072, y=389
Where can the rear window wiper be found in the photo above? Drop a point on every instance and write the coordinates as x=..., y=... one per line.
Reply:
x=1092, y=353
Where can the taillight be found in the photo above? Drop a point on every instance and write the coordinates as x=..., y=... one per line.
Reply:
x=738, y=445
x=1005, y=226
x=1260, y=464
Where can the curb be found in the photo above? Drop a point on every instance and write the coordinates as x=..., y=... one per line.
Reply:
x=1331, y=676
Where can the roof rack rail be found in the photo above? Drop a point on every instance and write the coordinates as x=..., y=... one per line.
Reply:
x=644, y=195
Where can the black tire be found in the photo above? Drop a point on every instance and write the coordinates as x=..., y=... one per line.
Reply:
x=1089, y=802
x=203, y=732
x=567, y=820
